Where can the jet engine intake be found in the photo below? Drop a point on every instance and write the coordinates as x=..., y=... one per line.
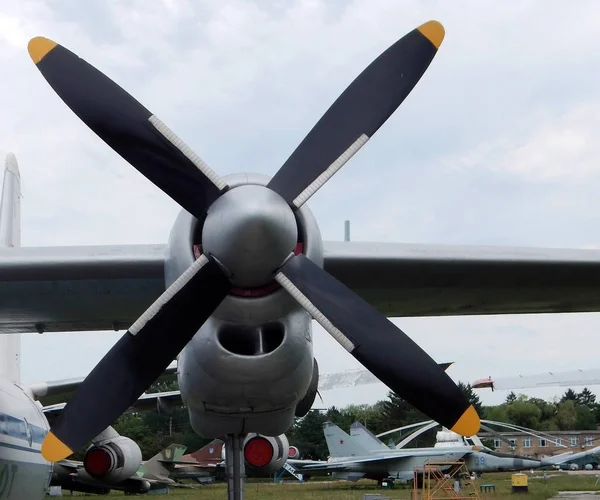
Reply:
x=113, y=460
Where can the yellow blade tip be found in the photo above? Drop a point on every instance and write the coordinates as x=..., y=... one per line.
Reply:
x=53, y=449
x=468, y=424
x=38, y=47
x=434, y=32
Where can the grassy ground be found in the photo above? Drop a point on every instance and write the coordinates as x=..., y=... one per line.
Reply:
x=539, y=488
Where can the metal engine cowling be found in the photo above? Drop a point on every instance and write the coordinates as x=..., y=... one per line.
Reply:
x=113, y=460
x=264, y=455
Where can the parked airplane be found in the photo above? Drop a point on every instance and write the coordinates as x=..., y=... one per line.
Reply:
x=568, y=460
x=362, y=455
x=24, y=473
x=245, y=269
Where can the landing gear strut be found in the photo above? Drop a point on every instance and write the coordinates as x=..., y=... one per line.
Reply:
x=234, y=463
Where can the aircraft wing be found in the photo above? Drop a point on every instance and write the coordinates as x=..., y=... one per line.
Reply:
x=152, y=401
x=85, y=288
x=549, y=379
x=346, y=465
x=60, y=289
x=146, y=402
x=58, y=391
x=442, y=280
x=350, y=463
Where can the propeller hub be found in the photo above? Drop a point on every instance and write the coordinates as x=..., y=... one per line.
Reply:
x=250, y=230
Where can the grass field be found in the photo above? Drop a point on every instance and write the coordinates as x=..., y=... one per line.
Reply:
x=539, y=488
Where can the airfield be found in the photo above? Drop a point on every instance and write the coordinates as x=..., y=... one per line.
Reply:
x=541, y=486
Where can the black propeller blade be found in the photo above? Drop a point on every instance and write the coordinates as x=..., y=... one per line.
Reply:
x=357, y=114
x=138, y=358
x=379, y=345
x=156, y=338
x=128, y=127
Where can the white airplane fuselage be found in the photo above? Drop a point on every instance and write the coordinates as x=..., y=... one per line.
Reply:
x=251, y=363
x=24, y=474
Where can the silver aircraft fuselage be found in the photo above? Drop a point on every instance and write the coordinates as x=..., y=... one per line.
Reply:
x=251, y=363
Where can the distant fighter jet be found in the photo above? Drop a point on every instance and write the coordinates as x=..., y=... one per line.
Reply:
x=362, y=455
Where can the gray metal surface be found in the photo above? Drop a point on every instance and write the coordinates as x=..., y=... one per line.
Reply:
x=56, y=289
x=442, y=280
x=250, y=230
x=93, y=287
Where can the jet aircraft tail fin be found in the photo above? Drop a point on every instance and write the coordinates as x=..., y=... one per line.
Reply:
x=160, y=465
x=10, y=236
x=210, y=453
x=366, y=438
x=341, y=444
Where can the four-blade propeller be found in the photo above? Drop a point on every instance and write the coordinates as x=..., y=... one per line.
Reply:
x=156, y=338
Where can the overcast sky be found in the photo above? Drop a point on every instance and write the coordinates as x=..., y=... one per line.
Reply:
x=495, y=145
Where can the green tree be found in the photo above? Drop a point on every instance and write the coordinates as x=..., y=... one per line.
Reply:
x=585, y=418
x=569, y=395
x=497, y=413
x=586, y=398
x=511, y=398
x=566, y=416
x=524, y=413
x=548, y=412
x=398, y=412
x=473, y=398
x=308, y=435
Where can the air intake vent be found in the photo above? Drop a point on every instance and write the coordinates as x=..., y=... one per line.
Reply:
x=251, y=341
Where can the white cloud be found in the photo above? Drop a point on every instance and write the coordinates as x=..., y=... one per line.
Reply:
x=562, y=149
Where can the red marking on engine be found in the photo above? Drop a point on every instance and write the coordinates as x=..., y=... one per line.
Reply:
x=97, y=462
x=197, y=251
x=258, y=452
x=293, y=452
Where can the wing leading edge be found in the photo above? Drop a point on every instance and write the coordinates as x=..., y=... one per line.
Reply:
x=59, y=289
x=444, y=280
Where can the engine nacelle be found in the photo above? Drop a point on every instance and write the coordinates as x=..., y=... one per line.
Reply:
x=264, y=455
x=113, y=460
x=294, y=452
x=305, y=404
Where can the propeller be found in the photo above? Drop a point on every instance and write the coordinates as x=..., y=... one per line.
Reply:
x=384, y=349
x=232, y=215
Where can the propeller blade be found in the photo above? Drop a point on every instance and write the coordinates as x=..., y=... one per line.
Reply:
x=379, y=345
x=128, y=127
x=357, y=114
x=138, y=358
